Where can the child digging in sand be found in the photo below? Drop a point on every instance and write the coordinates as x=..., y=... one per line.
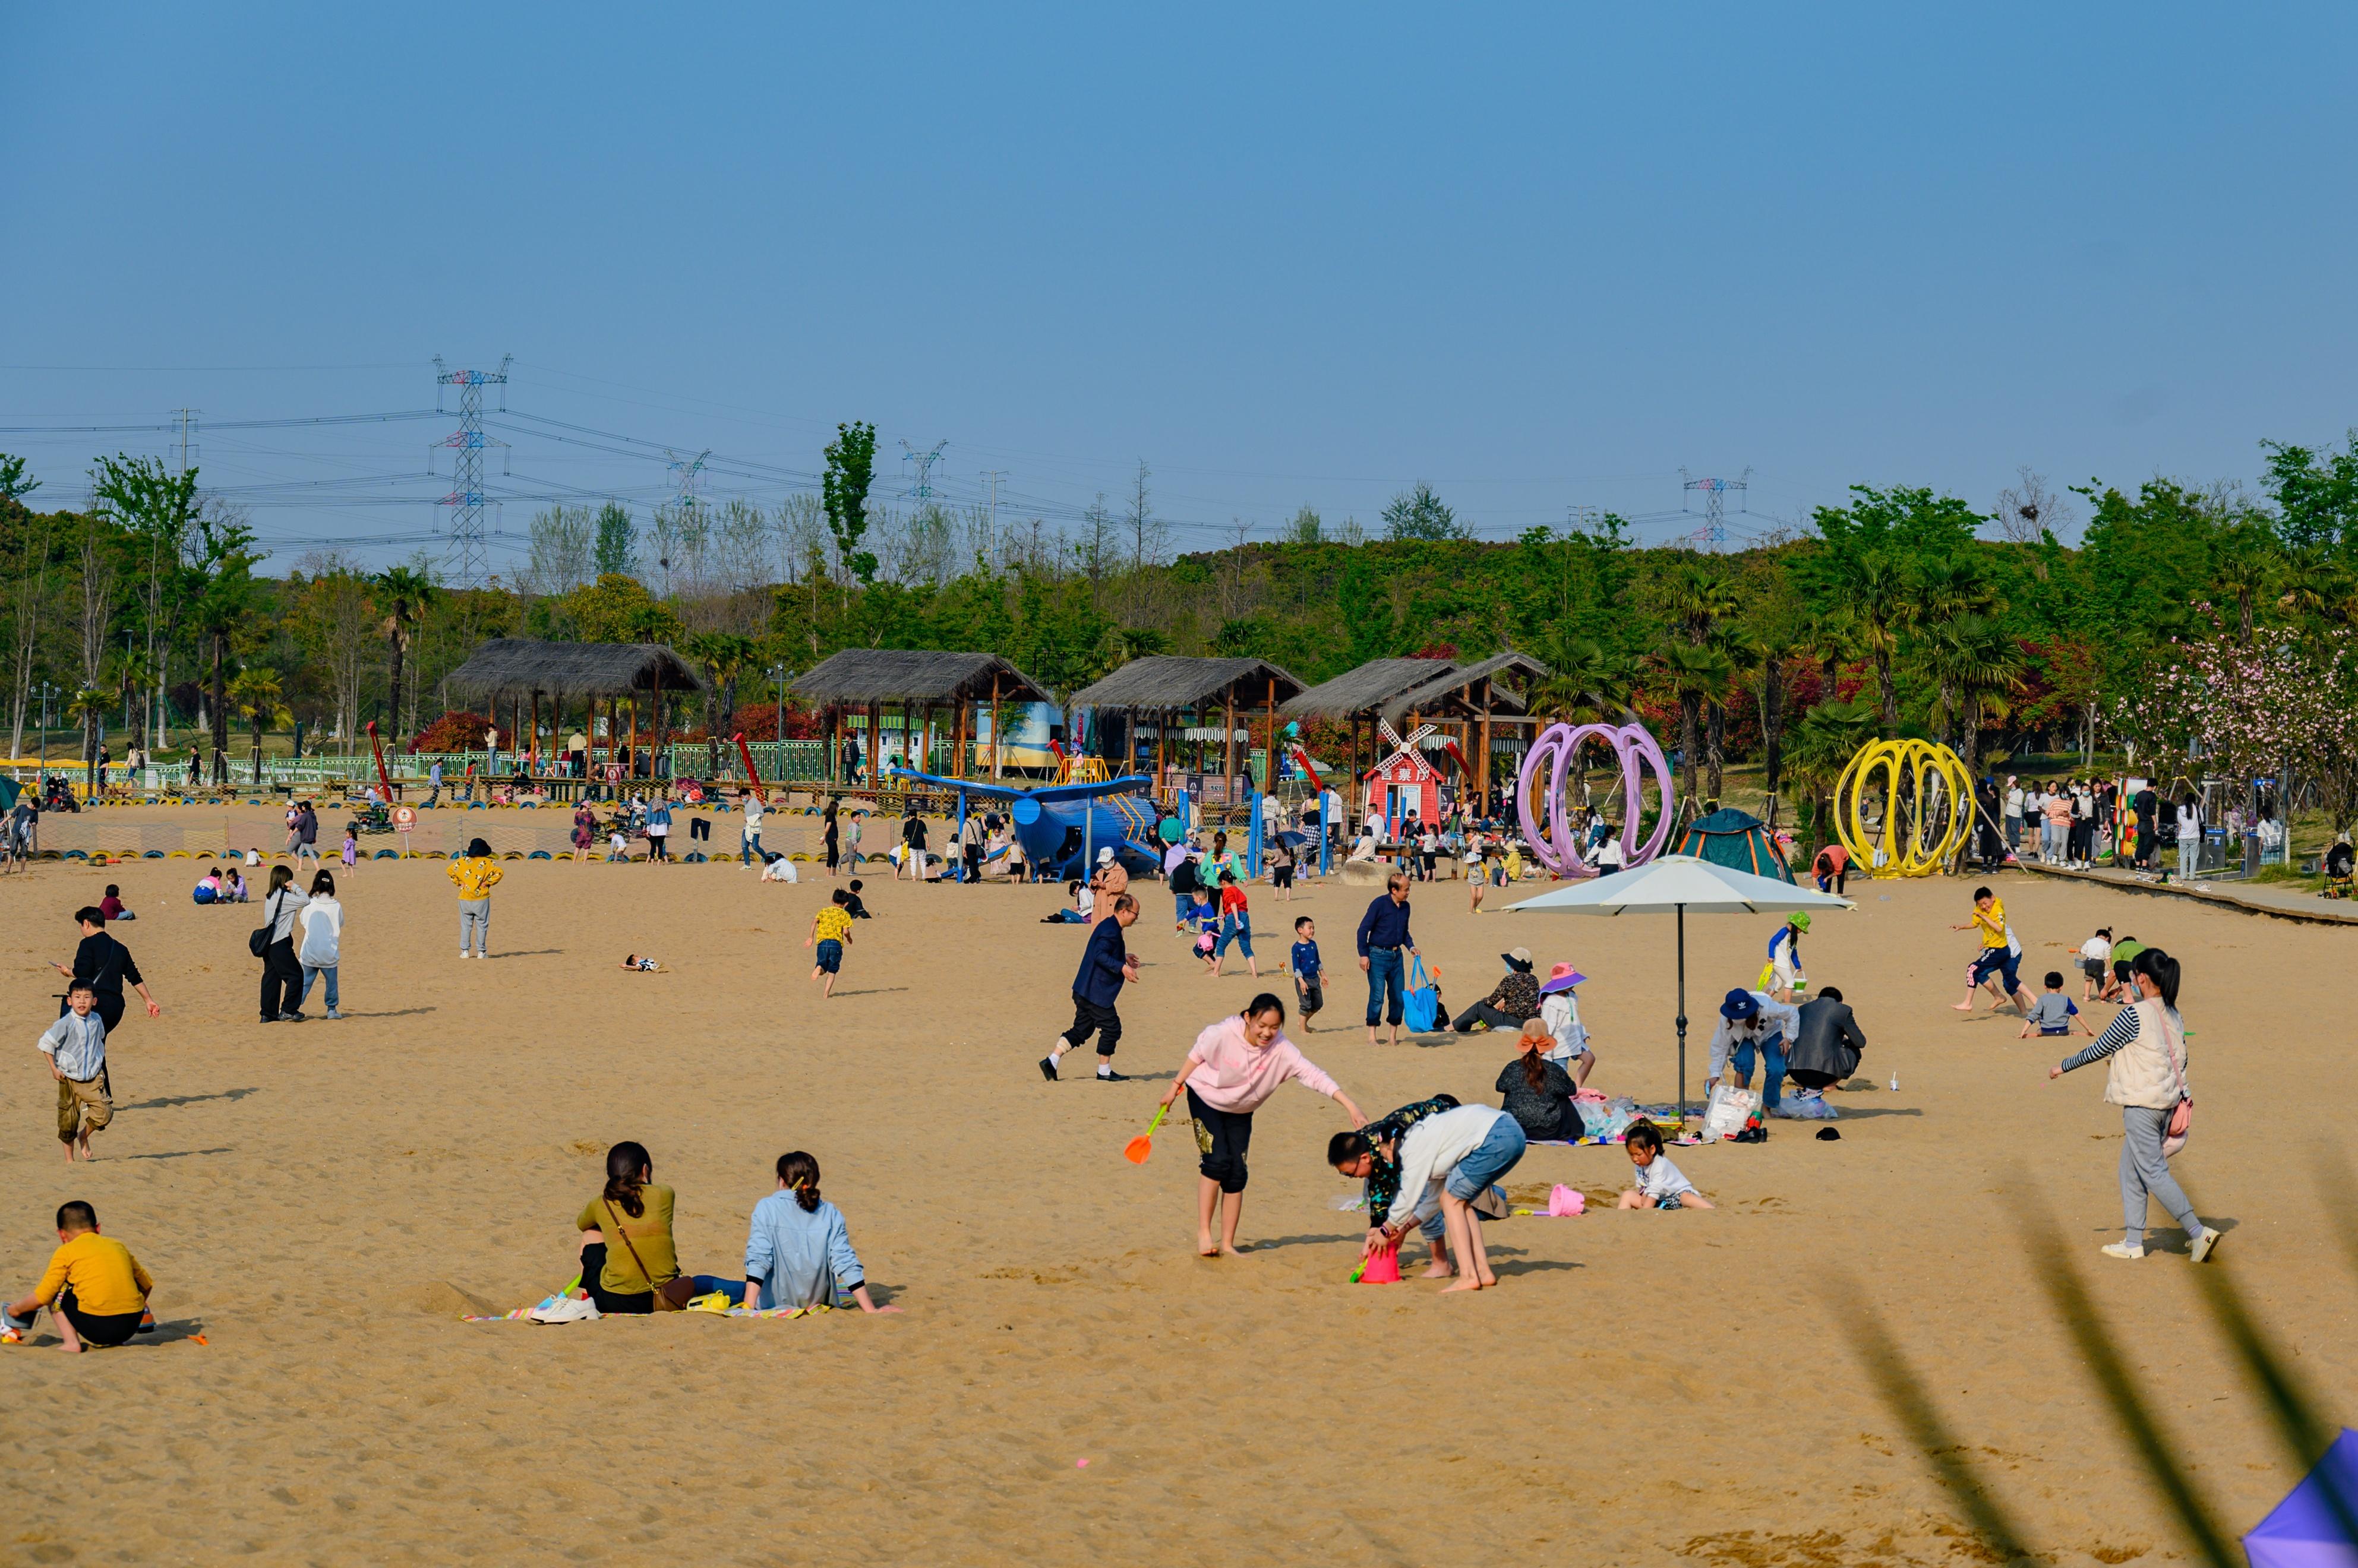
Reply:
x=1660, y=1183
x=76, y=1047
x=830, y=929
x=95, y=1290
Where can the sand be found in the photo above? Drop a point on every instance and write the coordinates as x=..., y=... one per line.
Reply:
x=323, y=1201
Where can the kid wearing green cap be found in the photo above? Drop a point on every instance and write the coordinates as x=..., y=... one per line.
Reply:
x=1781, y=976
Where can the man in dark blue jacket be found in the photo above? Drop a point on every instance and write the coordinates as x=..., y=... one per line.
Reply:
x=1106, y=963
x=1383, y=937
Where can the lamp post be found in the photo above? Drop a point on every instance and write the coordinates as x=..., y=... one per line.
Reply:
x=46, y=690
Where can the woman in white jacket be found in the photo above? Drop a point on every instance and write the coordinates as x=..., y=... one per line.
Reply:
x=2146, y=1046
x=321, y=944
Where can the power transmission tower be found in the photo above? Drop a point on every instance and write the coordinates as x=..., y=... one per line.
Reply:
x=184, y=449
x=924, y=490
x=1712, y=534
x=467, y=558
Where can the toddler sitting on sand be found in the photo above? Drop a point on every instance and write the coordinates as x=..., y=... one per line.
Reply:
x=1661, y=1184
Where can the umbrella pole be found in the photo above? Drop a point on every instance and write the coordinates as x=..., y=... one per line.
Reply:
x=1683, y=1016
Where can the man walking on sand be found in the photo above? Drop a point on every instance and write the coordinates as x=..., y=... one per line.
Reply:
x=1106, y=964
x=1383, y=938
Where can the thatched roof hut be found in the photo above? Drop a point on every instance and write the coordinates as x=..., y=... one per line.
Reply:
x=1359, y=692
x=507, y=669
x=1489, y=687
x=856, y=677
x=1167, y=683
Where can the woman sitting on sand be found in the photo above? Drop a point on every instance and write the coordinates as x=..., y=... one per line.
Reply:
x=798, y=1250
x=628, y=1262
x=1539, y=1092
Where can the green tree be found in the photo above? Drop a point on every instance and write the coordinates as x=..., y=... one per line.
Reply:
x=258, y=699
x=725, y=656
x=87, y=707
x=158, y=509
x=404, y=593
x=1820, y=747
x=2316, y=494
x=221, y=564
x=14, y=485
x=850, y=470
x=616, y=552
x=1419, y=514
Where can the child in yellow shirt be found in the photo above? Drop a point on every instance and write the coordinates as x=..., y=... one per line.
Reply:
x=830, y=929
x=95, y=1290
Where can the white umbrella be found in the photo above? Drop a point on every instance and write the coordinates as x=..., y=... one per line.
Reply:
x=1672, y=884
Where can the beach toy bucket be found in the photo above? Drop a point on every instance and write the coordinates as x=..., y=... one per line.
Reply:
x=1565, y=1202
x=1383, y=1267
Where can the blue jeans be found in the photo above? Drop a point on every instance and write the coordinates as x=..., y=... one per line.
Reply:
x=749, y=846
x=1384, y=980
x=1492, y=1157
x=1235, y=929
x=1772, y=1090
x=312, y=972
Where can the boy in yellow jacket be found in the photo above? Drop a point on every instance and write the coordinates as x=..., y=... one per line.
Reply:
x=475, y=873
x=95, y=1290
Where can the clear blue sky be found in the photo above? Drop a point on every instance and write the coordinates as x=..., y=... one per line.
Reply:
x=1541, y=258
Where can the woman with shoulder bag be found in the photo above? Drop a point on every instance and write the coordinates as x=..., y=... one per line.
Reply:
x=628, y=1264
x=2146, y=1044
x=282, y=972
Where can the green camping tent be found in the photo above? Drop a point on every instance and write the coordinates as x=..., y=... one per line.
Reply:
x=9, y=790
x=1736, y=839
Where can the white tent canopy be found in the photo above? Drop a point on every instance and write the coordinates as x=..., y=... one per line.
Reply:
x=1673, y=884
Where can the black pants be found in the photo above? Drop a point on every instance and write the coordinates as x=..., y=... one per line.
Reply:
x=109, y=1008
x=1483, y=1012
x=1089, y=1018
x=282, y=978
x=1810, y=1078
x=974, y=863
x=1222, y=1139
x=97, y=1328
x=699, y=827
x=638, y=1303
x=659, y=846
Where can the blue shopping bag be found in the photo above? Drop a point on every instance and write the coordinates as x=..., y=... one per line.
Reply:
x=1423, y=999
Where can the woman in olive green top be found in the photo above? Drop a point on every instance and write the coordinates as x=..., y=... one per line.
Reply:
x=628, y=1262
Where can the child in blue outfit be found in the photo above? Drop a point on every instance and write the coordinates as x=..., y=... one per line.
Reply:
x=1309, y=973
x=1205, y=918
x=2054, y=1012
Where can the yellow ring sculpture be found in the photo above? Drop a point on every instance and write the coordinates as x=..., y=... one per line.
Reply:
x=1920, y=777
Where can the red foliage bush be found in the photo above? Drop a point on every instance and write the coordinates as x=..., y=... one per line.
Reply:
x=457, y=730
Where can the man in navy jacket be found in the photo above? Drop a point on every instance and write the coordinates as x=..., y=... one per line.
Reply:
x=1106, y=963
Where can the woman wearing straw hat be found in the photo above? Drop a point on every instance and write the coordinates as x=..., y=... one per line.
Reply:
x=1514, y=999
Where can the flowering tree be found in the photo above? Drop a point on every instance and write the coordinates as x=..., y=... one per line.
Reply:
x=2286, y=706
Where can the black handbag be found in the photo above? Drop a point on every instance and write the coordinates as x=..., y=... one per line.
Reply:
x=258, y=942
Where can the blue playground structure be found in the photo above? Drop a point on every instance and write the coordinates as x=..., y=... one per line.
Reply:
x=1062, y=827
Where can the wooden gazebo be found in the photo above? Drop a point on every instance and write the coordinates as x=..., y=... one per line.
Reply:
x=1161, y=687
x=921, y=682
x=523, y=670
x=1482, y=693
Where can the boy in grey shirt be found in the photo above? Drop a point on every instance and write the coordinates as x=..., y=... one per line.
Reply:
x=2054, y=1012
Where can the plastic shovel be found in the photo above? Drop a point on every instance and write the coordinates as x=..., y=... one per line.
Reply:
x=1139, y=1148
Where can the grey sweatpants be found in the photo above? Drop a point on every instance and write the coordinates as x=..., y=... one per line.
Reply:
x=475, y=925
x=2144, y=1173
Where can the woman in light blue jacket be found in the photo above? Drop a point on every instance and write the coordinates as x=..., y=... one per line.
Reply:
x=797, y=1252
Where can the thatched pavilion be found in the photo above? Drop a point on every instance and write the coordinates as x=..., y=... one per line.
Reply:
x=1161, y=687
x=1483, y=693
x=921, y=682
x=521, y=670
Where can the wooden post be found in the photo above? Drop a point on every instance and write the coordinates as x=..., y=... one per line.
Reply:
x=1229, y=752
x=998, y=755
x=662, y=737
x=1269, y=763
x=957, y=739
x=1162, y=732
x=531, y=758
x=1482, y=764
x=632, y=772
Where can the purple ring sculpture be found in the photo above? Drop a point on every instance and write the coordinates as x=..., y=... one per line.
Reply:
x=1634, y=749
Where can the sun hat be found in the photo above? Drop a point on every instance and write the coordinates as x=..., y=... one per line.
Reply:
x=1520, y=959
x=1563, y=977
x=1740, y=1005
x=1799, y=920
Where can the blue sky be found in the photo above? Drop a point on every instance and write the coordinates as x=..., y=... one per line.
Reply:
x=1541, y=257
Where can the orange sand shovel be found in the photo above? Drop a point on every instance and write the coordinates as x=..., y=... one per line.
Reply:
x=1139, y=1148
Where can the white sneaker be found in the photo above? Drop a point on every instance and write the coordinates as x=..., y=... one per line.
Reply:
x=464, y=954
x=2122, y=1250
x=565, y=1309
x=2202, y=1244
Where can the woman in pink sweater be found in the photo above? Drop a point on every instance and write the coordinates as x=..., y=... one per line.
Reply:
x=1233, y=1066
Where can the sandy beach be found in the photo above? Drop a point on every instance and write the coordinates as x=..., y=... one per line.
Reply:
x=323, y=1201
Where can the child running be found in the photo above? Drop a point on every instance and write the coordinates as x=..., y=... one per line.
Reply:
x=859, y=910
x=830, y=929
x=1660, y=1183
x=1230, y=1071
x=1308, y=971
x=76, y=1047
x=1997, y=961
x=2096, y=964
x=2054, y=1012
x=1206, y=917
x=1236, y=925
x=95, y=1290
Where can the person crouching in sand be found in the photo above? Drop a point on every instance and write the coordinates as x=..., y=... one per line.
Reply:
x=95, y=1290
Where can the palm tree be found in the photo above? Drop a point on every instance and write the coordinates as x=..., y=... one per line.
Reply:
x=724, y=656
x=259, y=701
x=1138, y=642
x=1820, y=747
x=1877, y=598
x=90, y=705
x=2248, y=570
x=1770, y=651
x=1973, y=660
x=1693, y=675
x=134, y=677
x=407, y=594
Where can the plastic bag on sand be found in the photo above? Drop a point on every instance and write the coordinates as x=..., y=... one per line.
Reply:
x=1610, y=1120
x=1805, y=1107
x=1728, y=1110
